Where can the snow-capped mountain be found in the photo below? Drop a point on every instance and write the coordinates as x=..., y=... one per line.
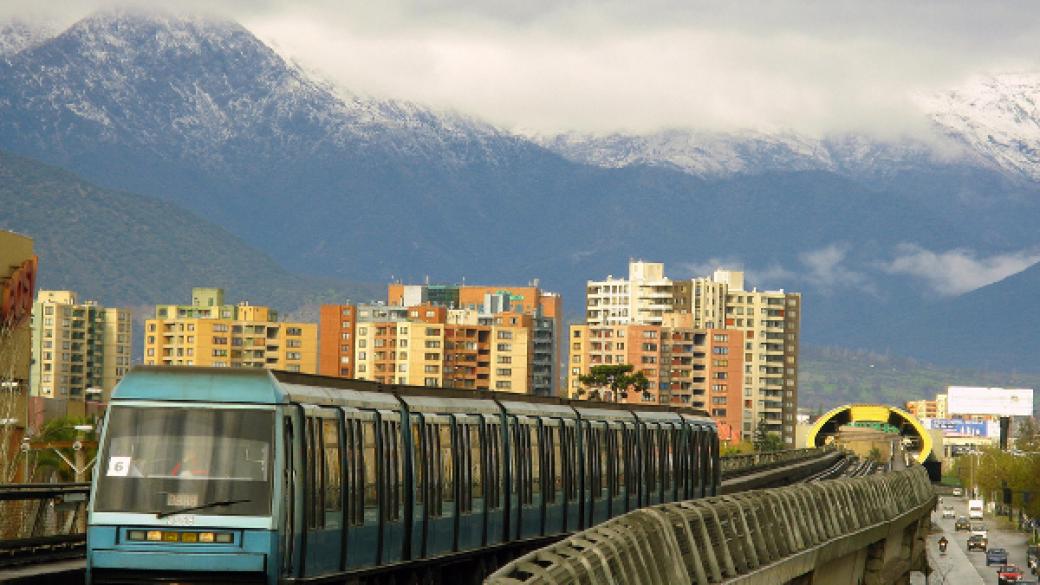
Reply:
x=997, y=117
x=18, y=35
x=204, y=90
x=724, y=154
x=990, y=122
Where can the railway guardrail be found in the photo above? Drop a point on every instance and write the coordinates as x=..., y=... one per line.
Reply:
x=734, y=465
x=42, y=521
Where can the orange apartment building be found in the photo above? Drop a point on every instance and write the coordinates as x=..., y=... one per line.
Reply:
x=701, y=368
x=479, y=337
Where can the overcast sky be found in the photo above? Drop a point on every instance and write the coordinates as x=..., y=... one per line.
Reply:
x=545, y=66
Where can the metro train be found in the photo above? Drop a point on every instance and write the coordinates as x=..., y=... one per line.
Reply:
x=217, y=475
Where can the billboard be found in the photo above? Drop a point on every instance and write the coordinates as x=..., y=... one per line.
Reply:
x=998, y=401
x=969, y=428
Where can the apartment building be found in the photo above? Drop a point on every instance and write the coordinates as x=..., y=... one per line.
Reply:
x=80, y=350
x=767, y=322
x=210, y=332
x=479, y=337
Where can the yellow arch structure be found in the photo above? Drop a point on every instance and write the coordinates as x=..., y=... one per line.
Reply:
x=827, y=426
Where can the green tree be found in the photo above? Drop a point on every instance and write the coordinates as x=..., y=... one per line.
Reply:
x=1028, y=436
x=764, y=440
x=618, y=378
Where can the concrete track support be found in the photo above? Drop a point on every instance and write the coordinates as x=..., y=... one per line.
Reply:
x=865, y=530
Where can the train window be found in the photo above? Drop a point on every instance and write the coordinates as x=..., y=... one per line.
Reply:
x=312, y=452
x=333, y=468
x=462, y=439
x=356, y=495
x=650, y=452
x=419, y=462
x=535, y=454
x=604, y=459
x=552, y=454
x=447, y=463
x=432, y=463
x=493, y=435
x=521, y=465
x=570, y=449
x=476, y=479
x=393, y=472
x=666, y=460
x=369, y=468
x=620, y=456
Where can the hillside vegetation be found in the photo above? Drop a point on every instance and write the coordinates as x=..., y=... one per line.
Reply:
x=830, y=377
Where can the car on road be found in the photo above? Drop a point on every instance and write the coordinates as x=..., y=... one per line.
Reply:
x=948, y=512
x=958, y=492
x=976, y=542
x=996, y=556
x=1008, y=574
x=962, y=523
x=980, y=529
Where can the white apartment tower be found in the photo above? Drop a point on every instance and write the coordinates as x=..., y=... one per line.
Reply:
x=770, y=321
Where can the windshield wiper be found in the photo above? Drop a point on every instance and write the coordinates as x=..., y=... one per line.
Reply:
x=201, y=507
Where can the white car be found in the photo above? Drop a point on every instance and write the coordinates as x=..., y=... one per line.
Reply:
x=958, y=492
x=948, y=512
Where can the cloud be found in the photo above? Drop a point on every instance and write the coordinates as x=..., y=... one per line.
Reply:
x=958, y=271
x=549, y=66
x=826, y=270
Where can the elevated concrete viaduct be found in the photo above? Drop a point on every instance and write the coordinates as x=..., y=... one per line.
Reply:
x=868, y=531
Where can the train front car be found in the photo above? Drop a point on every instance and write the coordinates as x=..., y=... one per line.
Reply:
x=186, y=479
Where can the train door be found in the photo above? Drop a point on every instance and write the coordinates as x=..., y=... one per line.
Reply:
x=470, y=471
x=322, y=487
x=554, y=473
x=433, y=516
x=494, y=479
x=703, y=468
x=364, y=537
x=390, y=485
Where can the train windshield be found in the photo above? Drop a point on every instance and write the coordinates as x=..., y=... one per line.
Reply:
x=195, y=460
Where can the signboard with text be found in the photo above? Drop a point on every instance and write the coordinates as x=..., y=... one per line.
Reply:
x=968, y=428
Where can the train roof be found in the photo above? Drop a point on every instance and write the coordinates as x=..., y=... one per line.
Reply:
x=262, y=386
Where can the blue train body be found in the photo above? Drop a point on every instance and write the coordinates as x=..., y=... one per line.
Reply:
x=220, y=475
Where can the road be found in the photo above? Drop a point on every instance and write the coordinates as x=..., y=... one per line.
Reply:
x=958, y=566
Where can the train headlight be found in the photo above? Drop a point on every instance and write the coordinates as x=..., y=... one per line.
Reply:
x=224, y=538
x=154, y=535
x=136, y=535
x=205, y=537
x=170, y=536
x=190, y=537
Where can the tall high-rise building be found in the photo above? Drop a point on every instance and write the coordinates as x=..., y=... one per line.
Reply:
x=768, y=321
x=80, y=349
x=209, y=332
x=480, y=337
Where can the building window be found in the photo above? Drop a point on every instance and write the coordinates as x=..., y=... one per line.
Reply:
x=505, y=334
x=430, y=381
x=293, y=331
x=504, y=372
x=505, y=359
x=503, y=385
x=504, y=347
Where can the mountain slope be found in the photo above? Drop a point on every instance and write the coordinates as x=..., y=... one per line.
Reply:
x=993, y=327
x=126, y=249
x=200, y=114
